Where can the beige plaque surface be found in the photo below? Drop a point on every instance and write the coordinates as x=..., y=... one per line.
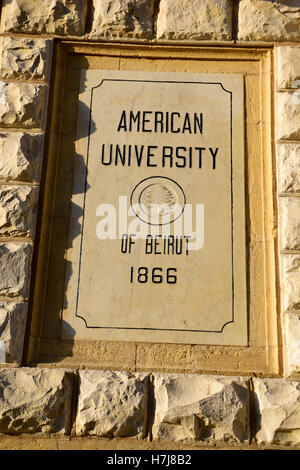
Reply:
x=158, y=213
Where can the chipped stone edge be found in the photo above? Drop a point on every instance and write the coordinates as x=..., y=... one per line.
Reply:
x=293, y=94
x=47, y=50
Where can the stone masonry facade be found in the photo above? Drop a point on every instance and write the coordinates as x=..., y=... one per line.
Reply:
x=204, y=409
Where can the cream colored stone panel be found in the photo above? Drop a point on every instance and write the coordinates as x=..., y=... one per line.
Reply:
x=15, y=260
x=290, y=274
x=35, y=400
x=12, y=329
x=122, y=18
x=25, y=156
x=290, y=223
x=288, y=115
x=291, y=322
x=63, y=17
x=18, y=210
x=200, y=407
x=288, y=66
x=24, y=58
x=269, y=21
x=288, y=164
x=112, y=404
x=277, y=404
x=22, y=105
x=194, y=19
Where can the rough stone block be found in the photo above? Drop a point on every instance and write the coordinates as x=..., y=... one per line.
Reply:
x=288, y=164
x=57, y=17
x=290, y=223
x=288, y=66
x=291, y=323
x=15, y=261
x=21, y=156
x=12, y=329
x=194, y=19
x=18, y=210
x=277, y=411
x=112, y=404
x=24, y=58
x=290, y=273
x=164, y=357
x=201, y=408
x=268, y=20
x=22, y=104
x=288, y=115
x=35, y=400
x=122, y=18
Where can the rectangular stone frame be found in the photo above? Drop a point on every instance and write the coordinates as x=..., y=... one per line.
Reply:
x=44, y=345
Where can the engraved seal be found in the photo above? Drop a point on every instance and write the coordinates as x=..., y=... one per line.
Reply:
x=160, y=195
x=157, y=200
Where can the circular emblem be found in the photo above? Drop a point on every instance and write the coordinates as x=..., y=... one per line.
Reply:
x=157, y=200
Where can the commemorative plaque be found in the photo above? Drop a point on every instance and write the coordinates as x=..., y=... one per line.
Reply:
x=157, y=234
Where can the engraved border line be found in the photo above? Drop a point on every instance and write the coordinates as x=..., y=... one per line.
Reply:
x=84, y=201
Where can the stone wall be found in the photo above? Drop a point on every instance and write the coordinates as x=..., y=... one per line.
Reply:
x=204, y=409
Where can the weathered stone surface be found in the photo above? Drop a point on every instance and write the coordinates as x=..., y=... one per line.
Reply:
x=290, y=223
x=12, y=329
x=194, y=19
x=288, y=66
x=35, y=400
x=288, y=115
x=22, y=104
x=202, y=408
x=15, y=260
x=21, y=156
x=269, y=21
x=57, y=17
x=164, y=357
x=291, y=327
x=288, y=163
x=17, y=210
x=290, y=273
x=278, y=411
x=25, y=58
x=122, y=18
x=112, y=404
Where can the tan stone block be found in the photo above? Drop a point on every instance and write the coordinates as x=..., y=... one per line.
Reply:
x=277, y=404
x=57, y=17
x=122, y=18
x=290, y=223
x=25, y=153
x=194, y=19
x=269, y=21
x=107, y=355
x=288, y=164
x=291, y=324
x=12, y=328
x=35, y=400
x=25, y=58
x=22, y=105
x=164, y=357
x=17, y=210
x=15, y=260
x=288, y=66
x=290, y=285
x=112, y=404
x=288, y=115
x=201, y=407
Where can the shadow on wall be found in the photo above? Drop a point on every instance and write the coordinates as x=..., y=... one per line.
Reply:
x=66, y=215
x=289, y=3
